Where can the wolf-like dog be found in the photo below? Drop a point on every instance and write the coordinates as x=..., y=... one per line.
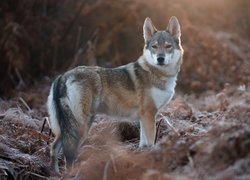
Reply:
x=140, y=87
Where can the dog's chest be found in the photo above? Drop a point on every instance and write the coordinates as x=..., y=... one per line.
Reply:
x=163, y=94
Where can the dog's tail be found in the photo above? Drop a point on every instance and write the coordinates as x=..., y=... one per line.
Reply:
x=66, y=120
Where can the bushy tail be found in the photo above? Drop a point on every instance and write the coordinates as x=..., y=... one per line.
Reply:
x=67, y=122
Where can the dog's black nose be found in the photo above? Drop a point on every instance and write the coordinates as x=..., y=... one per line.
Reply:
x=160, y=60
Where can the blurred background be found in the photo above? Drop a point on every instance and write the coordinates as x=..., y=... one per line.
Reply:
x=42, y=38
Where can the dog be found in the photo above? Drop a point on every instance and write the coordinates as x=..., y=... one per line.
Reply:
x=140, y=87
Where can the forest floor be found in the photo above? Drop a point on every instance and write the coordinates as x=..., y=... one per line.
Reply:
x=199, y=137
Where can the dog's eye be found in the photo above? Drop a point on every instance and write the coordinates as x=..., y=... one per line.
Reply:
x=154, y=46
x=167, y=46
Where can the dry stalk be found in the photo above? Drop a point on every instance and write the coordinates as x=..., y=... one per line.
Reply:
x=21, y=81
x=170, y=125
x=25, y=104
x=191, y=161
x=157, y=129
x=37, y=175
x=105, y=171
x=82, y=49
x=46, y=119
x=113, y=162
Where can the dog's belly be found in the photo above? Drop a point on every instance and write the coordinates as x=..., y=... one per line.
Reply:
x=116, y=109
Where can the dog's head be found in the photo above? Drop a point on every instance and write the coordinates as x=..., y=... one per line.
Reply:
x=162, y=48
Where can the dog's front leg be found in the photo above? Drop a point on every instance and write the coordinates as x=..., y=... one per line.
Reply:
x=147, y=123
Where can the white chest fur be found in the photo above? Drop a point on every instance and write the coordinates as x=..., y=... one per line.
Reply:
x=160, y=96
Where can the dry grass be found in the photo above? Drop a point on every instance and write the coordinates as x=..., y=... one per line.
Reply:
x=203, y=138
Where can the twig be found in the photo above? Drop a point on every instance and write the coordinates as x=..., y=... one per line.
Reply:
x=157, y=129
x=78, y=38
x=46, y=119
x=113, y=162
x=5, y=39
x=105, y=171
x=190, y=160
x=13, y=159
x=3, y=167
x=82, y=49
x=4, y=171
x=21, y=81
x=170, y=125
x=37, y=175
x=11, y=76
x=25, y=104
x=73, y=21
x=70, y=26
x=77, y=52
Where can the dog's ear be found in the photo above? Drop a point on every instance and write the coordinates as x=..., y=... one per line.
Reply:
x=174, y=27
x=148, y=29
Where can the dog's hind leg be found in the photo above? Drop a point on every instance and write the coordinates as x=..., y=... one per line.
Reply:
x=54, y=151
x=70, y=145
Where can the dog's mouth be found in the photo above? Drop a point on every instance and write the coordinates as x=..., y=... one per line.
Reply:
x=160, y=63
